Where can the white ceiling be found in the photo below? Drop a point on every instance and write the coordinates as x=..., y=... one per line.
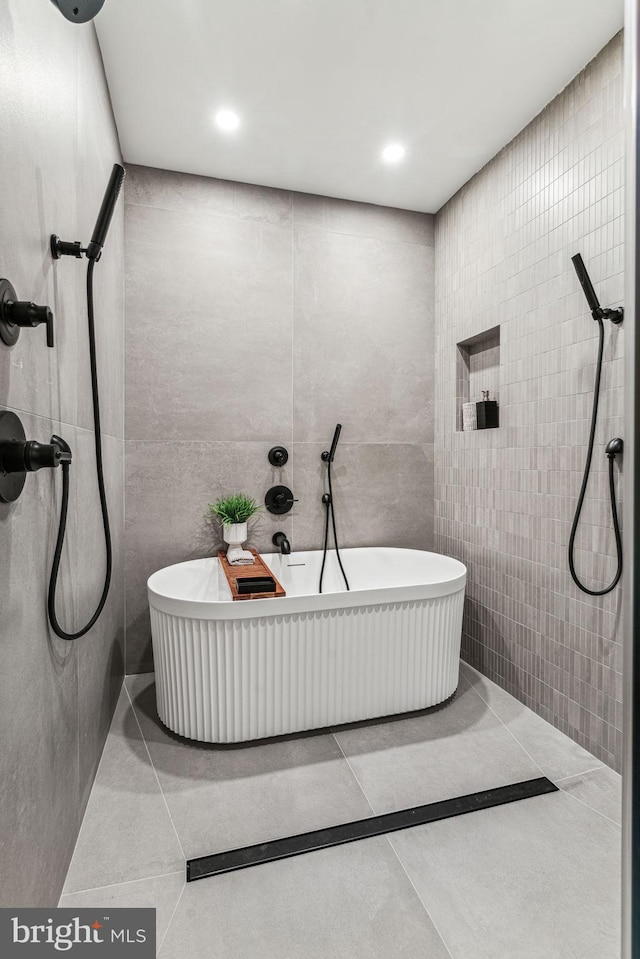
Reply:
x=322, y=86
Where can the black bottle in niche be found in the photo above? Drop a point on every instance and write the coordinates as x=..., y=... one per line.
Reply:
x=487, y=412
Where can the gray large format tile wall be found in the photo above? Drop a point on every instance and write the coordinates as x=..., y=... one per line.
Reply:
x=56, y=697
x=258, y=317
x=505, y=497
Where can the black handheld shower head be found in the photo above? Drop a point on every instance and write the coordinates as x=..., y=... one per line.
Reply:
x=334, y=442
x=587, y=286
x=94, y=249
x=109, y=201
x=78, y=11
x=328, y=455
x=597, y=312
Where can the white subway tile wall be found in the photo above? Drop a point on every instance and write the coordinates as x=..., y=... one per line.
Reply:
x=504, y=498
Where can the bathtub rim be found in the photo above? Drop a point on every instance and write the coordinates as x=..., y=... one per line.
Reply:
x=308, y=603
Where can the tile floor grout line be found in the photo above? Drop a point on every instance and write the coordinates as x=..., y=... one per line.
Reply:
x=419, y=897
x=164, y=798
x=95, y=777
x=585, y=773
x=528, y=708
x=515, y=738
x=175, y=909
x=471, y=687
x=360, y=786
x=126, y=882
x=504, y=725
x=558, y=781
x=591, y=808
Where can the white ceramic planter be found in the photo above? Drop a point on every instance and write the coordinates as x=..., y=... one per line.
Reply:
x=234, y=534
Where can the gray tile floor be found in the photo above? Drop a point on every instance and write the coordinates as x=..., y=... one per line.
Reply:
x=536, y=879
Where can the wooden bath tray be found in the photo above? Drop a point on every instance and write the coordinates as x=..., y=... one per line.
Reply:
x=257, y=570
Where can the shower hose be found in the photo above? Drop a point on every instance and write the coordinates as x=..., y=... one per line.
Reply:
x=583, y=488
x=327, y=499
x=53, y=581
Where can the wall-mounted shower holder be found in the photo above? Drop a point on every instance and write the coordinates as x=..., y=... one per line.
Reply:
x=18, y=314
x=19, y=456
x=615, y=447
x=60, y=248
x=616, y=315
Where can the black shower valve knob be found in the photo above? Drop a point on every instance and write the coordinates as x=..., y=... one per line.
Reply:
x=18, y=314
x=37, y=456
x=279, y=499
x=25, y=314
x=30, y=456
x=19, y=456
x=278, y=456
x=53, y=454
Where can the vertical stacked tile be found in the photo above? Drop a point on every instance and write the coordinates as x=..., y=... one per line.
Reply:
x=504, y=498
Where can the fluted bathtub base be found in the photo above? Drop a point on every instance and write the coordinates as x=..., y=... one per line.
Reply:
x=229, y=681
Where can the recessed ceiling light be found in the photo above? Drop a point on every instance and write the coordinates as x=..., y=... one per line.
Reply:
x=393, y=153
x=227, y=120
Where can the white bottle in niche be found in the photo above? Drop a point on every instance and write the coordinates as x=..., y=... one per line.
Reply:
x=469, y=417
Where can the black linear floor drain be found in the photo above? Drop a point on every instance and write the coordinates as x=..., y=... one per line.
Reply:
x=221, y=862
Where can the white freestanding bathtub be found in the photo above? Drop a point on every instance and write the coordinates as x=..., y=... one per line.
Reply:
x=232, y=671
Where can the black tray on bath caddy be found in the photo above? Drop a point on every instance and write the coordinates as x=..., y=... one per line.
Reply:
x=258, y=571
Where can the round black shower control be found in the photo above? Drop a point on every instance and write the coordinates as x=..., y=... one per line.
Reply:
x=278, y=456
x=18, y=314
x=19, y=456
x=279, y=500
x=12, y=436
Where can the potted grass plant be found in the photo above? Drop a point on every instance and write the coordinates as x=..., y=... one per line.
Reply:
x=233, y=512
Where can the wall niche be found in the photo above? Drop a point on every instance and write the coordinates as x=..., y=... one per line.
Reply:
x=478, y=369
